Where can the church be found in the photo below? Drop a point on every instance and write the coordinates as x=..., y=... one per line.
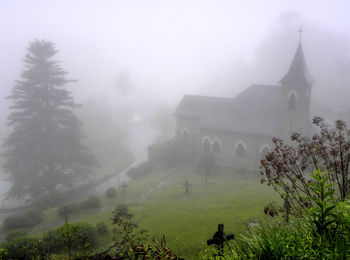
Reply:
x=238, y=131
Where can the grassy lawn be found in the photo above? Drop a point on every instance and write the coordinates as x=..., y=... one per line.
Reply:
x=188, y=221
x=160, y=205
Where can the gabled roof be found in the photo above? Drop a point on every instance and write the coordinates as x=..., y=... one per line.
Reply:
x=255, y=111
x=297, y=74
x=201, y=106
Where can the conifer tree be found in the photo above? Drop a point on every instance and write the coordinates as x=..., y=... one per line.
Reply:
x=44, y=149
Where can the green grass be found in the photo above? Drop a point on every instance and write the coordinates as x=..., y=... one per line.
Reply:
x=187, y=221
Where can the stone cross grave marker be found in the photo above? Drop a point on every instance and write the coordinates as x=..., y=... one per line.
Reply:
x=219, y=238
x=186, y=184
x=123, y=186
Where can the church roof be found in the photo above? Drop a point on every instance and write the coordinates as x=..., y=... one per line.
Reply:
x=297, y=74
x=255, y=111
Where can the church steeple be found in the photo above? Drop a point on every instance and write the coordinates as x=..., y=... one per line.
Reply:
x=298, y=74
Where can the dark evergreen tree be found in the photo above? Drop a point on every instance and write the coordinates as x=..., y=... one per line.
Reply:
x=44, y=149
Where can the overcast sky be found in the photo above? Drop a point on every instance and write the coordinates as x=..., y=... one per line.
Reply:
x=171, y=48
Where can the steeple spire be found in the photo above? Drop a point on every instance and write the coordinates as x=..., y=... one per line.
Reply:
x=298, y=74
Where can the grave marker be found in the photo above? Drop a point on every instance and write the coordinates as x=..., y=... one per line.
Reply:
x=123, y=186
x=219, y=238
x=186, y=184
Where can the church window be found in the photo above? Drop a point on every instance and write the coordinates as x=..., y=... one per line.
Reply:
x=206, y=145
x=216, y=146
x=240, y=149
x=292, y=100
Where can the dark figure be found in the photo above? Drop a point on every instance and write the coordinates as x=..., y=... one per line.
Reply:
x=219, y=238
x=186, y=184
x=286, y=206
x=124, y=185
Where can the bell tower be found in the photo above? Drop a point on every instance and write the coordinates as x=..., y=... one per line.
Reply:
x=296, y=96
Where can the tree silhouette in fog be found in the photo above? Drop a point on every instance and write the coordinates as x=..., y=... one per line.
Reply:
x=44, y=149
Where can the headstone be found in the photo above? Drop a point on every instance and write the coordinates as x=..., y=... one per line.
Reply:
x=123, y=186
x=219, y=238
x=186, y=184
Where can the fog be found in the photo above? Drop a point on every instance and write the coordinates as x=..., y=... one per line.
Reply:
x=138, y=58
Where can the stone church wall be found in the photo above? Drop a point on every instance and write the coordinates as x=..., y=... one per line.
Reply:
x=254, y=148
x=191, y=142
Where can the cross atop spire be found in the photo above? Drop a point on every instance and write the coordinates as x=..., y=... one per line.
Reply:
x=300, y=32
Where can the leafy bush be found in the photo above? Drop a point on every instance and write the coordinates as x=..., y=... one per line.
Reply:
x=287, y=166
x=85, y=234
x=81, y=234
x=322, y=232
x=52, y=241
x=111, y=192
x=23, y=247
x=127, y=236
x=14, y=234
x=121, y=208
x=92, y=202
x=3, y=253
x=18, y=246
x=101, y=228
x=12, y=222
x=31, y=218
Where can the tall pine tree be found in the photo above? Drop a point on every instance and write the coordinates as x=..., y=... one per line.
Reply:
x=44, y=149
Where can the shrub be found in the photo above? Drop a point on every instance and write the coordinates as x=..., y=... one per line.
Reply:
x=127, y=236
x=101, y=228
x=12, y=222
x=111, y=192
x=3, y=253
x=287, y=165
x=86, y=233
x=52, y=241
x=121, y=208
x=322, y=232
x=23, y=247
x=92, y=202
x=82, y=234
x=31, y=218
x=14, y=234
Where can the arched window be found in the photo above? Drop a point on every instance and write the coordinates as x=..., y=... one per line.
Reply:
x=292, y=100
x=206, y=145
x=264, y=150
x=240, y=149
x=216, y=146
